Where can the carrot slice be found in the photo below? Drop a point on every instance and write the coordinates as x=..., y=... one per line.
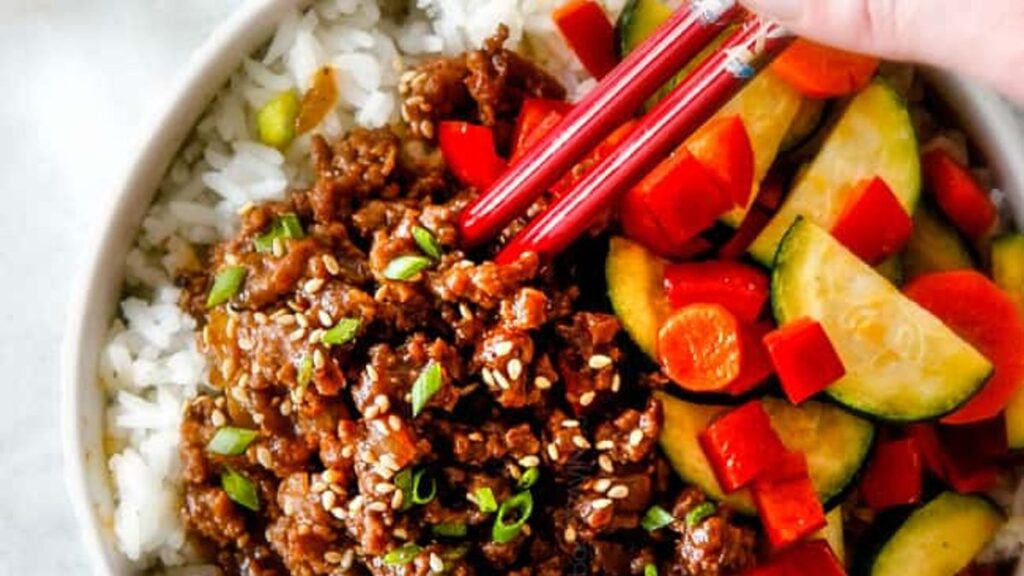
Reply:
x=818, y=71
x=700, y=348
x=959, y=195
x=976, y=309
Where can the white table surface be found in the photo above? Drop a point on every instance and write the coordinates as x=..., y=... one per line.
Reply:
x=77, y=77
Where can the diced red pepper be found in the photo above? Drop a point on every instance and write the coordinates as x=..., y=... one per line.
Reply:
x=965, y=471
x=787, y=502
x=599, y=153
x=723, y=147
x=700, y=348
x=894, y=477
x=741, y=288
x=819, y=71
x=812, y=558
x=804, y=359
x=874, y=225
x=470, y=153
x=537, y=117
x=590, y=34
x=966, y=204
x=741, y=445
x=756, y=366
x=982, y=314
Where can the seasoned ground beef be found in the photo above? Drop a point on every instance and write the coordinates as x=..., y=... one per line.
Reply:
x=326, y=351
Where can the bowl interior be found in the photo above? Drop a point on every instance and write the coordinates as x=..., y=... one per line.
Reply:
x=990, y=121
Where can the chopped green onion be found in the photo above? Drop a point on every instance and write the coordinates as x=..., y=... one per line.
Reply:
x=403, y=482
x=226, y=284
x=284, y=226
x=427, y=242
x=276, y=119
x=529, y=478
x=520, y=507
x=449, y=530
x=700, y=513
x=402, y=556
x=406, y=267
x=240, y=489
x=485, y=500
x=305, y=375
x=418, y=497
x=427, y=384
x=455, y=553
x=231, y=441
x=656, y=518
x=650, y=570
x=342, y=333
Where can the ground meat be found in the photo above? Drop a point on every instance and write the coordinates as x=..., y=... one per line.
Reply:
x=393, y=413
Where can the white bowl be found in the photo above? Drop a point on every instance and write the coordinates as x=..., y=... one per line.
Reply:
x=95, y=296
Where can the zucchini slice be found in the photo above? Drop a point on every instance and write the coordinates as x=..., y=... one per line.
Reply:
x=939, y=539
x=1008, y=273
x=833, y=533
x=902, y=363
x=934, y=246
x=874, y=137
x=636, y=280
x=835, y=442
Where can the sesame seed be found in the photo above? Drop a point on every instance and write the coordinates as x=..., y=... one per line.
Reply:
x=325, y=319
x=277, y=247
x=397, y=499
x=297, y=334
x=553, y=451
x=500, y=379
x=301, y=320
x=371, y=411
x=347, y=559
x=569, y=535
x=263, y=457
x=286, y=408
x=570, y=423
x=384, y=488
x=580, y=442
x=332, y=557
x=331, y=476
x=605, y=445
x=232, y=326
x=284, y=319
x=476, y=437
x=318, y=359
x=331, y=264
x=605, y=463
x=347, y=452
x=427, y=129
x=317, y=487
x=218, y=419
x=515, y=368
x=231, y=259
x=376, y=507
x=400, y=533
x=313, y=286
x=328, y=499
x=616, y=383
x=315, y=336
x=371, y=372
x=618, y=492
x=355, y=504
x=600, y=504
x=381, y=427
x=514, y=471
x=394, y=422
x=529, y=461
x=502, y=348
x=488, y=377
x=465, y=311
x=246, y=208
x=388, y=461
x=587, y=398
x=601, y=485
x=542, y=383
x=436, y=564
x=599, y=361
x=382, y=402
x=636, y=437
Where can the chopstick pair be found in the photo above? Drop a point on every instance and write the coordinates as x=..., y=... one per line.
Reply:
x=612, y=102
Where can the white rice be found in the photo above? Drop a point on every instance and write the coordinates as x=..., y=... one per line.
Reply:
x=150, y=365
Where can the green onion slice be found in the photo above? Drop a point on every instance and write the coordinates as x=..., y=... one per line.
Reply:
x=485, y=500
x=276, y=119
x=406, y=267
x=656, y=518
x=231, y=441
x=450, y=530
x=427, y=242
x=456, y=552
x=342, y=333
x=650, y=570
x=305, y=375
x=240, y=489
x=402, y=556
x=403, y=482
x=418, y=484
x=529, y=478
x=226, y=284
x=512, y=516
x=427, y=384
x=284, y=226
x=700, y=513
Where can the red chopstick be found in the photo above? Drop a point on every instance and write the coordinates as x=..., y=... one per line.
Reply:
x=608, y=105
x=659, y=132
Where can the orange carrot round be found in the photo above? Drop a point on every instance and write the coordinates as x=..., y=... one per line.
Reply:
x=700, y=348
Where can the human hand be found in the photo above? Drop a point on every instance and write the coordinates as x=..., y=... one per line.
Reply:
x=980, y=38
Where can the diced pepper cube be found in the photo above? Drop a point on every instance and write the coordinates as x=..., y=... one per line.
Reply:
x=787, y=502
x=804, y=359
x=894, y=476
x=741, y=445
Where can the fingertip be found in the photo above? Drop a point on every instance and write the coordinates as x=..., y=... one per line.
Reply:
x=780, y=10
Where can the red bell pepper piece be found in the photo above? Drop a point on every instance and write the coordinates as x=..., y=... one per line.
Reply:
x=537, y=117
x=470, y=153
x=700, y=348
x=742, y=289
x=756, y=366
x=723, y=147
x=964, y=470
x=982, y=314
x=958, y=194
x=639, y=223
x=894, y=477
x=741, y=445
x=819, y=71
x=804, y=359
x=813, y=558
x=787, y=502
x=590, y=34
x=874, y=225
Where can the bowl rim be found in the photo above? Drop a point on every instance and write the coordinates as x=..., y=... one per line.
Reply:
x=993, y=126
